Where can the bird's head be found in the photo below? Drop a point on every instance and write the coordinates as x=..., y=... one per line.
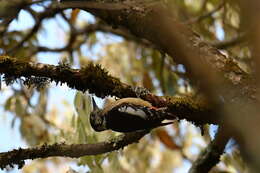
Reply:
x=97, y=120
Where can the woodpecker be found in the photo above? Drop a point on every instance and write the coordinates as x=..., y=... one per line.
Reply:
x=128, y=115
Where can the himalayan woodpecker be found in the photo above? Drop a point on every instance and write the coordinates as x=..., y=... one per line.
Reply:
x=128, y=115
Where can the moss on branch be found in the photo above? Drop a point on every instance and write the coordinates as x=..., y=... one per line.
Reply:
x=18, y=157
x=91, y=77
x=96, y=80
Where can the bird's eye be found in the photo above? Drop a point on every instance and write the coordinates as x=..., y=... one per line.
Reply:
x=99, y=120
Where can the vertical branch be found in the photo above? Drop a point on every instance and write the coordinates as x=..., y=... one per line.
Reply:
x=211, y=155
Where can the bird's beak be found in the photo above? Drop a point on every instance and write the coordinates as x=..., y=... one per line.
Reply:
x=94, y=104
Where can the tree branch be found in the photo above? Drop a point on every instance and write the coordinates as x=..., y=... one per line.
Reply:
x=211, y=155
x=96, y=80
x=17, y=157
x=50, y=12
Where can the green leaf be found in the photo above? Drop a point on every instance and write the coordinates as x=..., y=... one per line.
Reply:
x=8, y=104
x=82, y=135
x=87, y=104
x=19, y=109
x=78, y=101
x=73, y=121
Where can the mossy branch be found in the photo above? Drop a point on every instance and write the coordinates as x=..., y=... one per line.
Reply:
x=92, y=77
x=210, y=156
x=17, y=157
x=96, y=80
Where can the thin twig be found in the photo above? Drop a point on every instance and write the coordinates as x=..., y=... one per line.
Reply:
x=46, y=14
x=206, y=15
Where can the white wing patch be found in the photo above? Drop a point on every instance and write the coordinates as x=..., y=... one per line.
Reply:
x=132, y=111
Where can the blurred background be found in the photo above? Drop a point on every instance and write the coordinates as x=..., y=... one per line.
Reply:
x=49, y=113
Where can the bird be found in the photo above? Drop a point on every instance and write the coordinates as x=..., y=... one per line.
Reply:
x=128, y=115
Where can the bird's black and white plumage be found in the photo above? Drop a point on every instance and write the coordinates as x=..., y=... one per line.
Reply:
x=128, y=115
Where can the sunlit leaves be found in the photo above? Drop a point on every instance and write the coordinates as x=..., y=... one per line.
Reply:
x=84, y=132
x=34, y=130
x=234, y=162
x=83, y=108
